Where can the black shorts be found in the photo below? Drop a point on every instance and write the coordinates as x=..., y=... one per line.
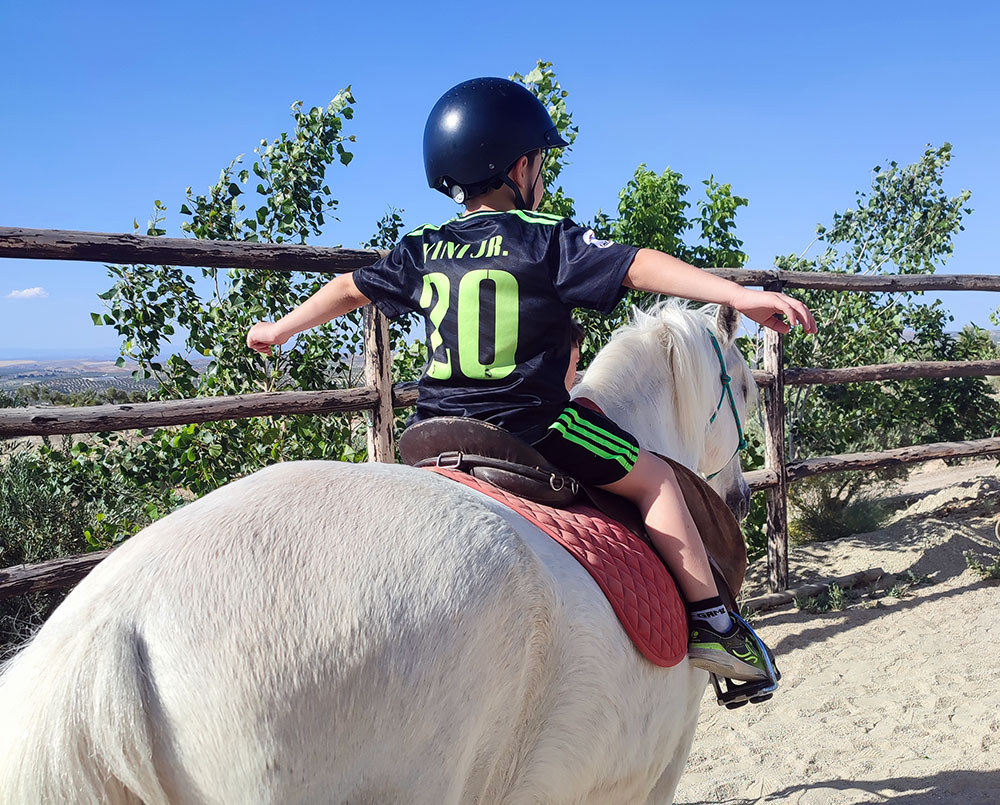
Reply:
x=589, y=446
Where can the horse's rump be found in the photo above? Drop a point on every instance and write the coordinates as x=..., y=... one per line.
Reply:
x=345, y=639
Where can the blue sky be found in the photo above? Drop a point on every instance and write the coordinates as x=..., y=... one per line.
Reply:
x=107, y=106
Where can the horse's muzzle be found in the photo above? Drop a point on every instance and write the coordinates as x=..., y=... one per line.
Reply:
x=738, y=501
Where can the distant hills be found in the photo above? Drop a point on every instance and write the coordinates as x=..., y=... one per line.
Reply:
x=34, y=354
x=72, y=375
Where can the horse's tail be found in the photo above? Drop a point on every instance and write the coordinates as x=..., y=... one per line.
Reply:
x=73, y=718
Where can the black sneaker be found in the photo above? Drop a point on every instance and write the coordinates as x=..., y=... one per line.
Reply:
x=735, y=655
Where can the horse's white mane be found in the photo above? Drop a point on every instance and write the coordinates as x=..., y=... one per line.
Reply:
x=663, y=359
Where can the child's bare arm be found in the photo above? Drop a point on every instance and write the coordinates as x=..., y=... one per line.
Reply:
x=337, y=297
x=657, y=272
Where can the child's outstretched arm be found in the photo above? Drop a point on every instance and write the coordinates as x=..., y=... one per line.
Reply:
x=657, y=272
x=339, y=296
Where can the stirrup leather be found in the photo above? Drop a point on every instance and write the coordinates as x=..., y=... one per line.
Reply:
x=736, y=694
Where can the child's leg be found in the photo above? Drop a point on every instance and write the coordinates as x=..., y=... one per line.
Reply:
x=652, y=486
x=599, y=452
x=717, y=643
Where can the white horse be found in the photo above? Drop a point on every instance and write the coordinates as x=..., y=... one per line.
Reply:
x=326, y=632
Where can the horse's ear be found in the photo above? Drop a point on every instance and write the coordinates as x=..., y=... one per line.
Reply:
x=727, y=321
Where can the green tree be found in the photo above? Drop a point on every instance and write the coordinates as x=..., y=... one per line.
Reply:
x=201, y=325
x=654, y=213
x=53, y=505
x=543, y=83
x=905, y=224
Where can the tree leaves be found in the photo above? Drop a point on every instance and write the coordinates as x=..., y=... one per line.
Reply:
x=148, y=304
x=904, y=224
x=542, y=82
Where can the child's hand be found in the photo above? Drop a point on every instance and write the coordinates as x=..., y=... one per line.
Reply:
x=774, y=310
x=263, y=335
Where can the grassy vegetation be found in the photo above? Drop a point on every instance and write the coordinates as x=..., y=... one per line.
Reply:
x=901, y=589
x=39, y=394
x=829, y=507
x=835, y=598
x=51, y=507
x=832, y=599
x=985, y=567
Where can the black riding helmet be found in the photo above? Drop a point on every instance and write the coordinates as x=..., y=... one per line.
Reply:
x=478, y=130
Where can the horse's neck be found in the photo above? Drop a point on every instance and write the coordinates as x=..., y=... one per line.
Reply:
x=646, y=410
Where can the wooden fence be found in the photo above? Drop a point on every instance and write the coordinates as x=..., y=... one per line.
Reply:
x=378, y=397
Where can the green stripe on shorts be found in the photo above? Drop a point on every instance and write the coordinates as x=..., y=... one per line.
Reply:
x=588, y=430
x=626, y=461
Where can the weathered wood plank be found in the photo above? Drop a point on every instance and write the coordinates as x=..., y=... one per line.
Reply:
x=101, y=247
x=887, y=458
x=42, y=421
x=775, y=458
x=879, y=283
x=404, y=394
x=378, y=374
x=47, y=421
x=891, y=371
x=759, y=480
x=55, y=574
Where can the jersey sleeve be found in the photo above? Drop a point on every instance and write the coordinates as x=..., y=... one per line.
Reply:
x=393, y=283
x=590, y=271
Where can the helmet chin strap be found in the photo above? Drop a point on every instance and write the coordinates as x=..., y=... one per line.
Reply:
x=519, y=200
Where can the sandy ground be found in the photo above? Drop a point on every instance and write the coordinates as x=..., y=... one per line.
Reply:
x=896, y=697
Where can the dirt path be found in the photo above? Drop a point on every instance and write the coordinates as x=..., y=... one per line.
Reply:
x=896, y=697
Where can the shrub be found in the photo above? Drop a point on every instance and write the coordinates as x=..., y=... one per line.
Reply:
x=832, y=599
x=829, y=507
x=52, y=506
x=983, y=566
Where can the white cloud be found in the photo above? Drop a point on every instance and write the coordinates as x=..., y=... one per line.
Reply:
x=29, y=293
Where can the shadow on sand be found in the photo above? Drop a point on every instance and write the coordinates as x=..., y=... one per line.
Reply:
x=937, y=564
x=966, y=787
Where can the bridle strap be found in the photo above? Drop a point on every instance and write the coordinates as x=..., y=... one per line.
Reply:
x=727, y=391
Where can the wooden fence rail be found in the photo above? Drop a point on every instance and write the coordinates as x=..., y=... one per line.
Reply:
x=101, y=247
x=54, y=574
x=68, y=419
x=905, y=370
x=65, y=419
x=378, y=397
x=889, y=458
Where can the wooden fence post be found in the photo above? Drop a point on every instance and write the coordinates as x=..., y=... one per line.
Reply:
x=775, y=457
x=378, y=373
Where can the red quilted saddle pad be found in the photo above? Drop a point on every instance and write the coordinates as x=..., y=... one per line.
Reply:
x=637, y=584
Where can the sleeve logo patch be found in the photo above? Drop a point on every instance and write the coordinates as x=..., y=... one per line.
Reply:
x=591, y=239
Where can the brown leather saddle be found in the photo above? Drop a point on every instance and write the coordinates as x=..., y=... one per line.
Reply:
x=496, y=456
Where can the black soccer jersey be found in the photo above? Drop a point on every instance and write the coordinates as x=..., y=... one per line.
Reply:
x=497, y=290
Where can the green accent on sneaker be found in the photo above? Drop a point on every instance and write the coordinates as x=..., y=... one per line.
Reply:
x=711, y=646
x=734, y=655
